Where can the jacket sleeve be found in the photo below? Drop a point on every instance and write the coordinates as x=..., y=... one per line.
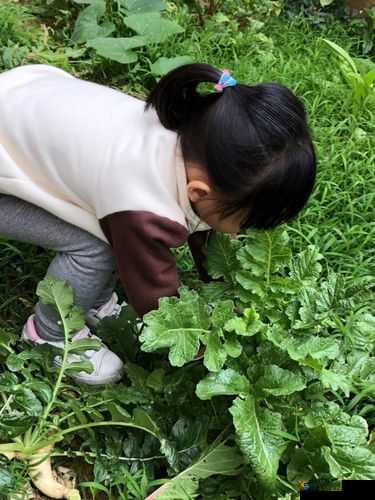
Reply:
x=197, y=243
x=141, y=242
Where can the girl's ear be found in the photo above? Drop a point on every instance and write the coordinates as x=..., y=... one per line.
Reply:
x=197, y=190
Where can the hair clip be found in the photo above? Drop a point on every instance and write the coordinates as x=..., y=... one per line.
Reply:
x=226, y=80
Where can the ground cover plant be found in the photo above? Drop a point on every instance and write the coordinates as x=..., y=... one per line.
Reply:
x=284, y=395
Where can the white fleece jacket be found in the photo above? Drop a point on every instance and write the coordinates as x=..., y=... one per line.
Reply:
x=92, y=156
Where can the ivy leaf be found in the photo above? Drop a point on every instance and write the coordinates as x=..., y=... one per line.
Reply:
x=224, y=383
x=87, y=27
x=117, y=49
x=259, y=437
x=178, y=324
x=153, y=27
x=280, y=382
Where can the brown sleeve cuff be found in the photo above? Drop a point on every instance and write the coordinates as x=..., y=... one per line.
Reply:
x=141, y=242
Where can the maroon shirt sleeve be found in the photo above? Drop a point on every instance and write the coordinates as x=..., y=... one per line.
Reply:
x=141, y=242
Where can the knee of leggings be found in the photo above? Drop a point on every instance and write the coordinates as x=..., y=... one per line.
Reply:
x=99, y=255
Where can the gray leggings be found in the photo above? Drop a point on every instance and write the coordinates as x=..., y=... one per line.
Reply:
x=82, y=259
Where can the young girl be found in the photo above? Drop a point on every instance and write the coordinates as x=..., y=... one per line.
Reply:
x=111, y=184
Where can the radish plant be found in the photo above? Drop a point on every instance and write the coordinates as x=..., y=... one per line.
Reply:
x=289, y=350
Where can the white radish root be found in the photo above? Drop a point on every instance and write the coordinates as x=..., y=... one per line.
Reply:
x=42, y=477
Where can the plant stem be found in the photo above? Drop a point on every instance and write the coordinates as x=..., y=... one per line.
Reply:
x=106, y=424
x=61, y=372
x=100, y=403
x=103, y=455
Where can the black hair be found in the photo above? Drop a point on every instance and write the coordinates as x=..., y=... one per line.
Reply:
x=253, y=140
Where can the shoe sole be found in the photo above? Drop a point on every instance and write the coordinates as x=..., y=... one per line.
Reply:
x=88, y=381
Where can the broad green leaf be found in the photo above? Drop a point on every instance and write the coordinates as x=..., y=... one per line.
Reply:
x=353, y=432
x=232, y=345
x=222, y=313
x=325, y=3
x=178, y=324
x=74, y=320
x=6, y=478
x=304, y=349
x=217, y=459
x=27, y=402
x=306, y=267
x=60, y=294
x=215, y=355
x=265, y=253
x=43, y=390
x=356, y=463
x=258, y=433
x=16, y=362
x=221, y=257
x=139, y=6
x=156, y=380
x=331, y=293
x=56, y=292
x=360, y=332
x=254, y=284
x=87, y=27
x=335, y=381
x=164, y=64
x=117, y=49
x=152, y=26
x=247, y=325
x=280, y=382
x=321, y=414
x=143, y=419
x=225, y=383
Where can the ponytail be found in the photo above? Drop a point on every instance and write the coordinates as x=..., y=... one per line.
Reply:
x=175, y=97
x=253, y=140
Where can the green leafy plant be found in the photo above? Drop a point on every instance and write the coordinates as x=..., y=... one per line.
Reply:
x=143, y=17
x=35, y=445
x=358, y=73
x=286, y=345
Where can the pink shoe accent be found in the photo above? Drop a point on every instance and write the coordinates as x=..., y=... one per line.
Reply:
x=31, y=331
x=107, y=308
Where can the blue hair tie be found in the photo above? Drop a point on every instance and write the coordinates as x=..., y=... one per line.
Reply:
x=225, y=81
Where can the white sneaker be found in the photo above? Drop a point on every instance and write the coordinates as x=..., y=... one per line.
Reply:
x=111, y=308
x=108, y=367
